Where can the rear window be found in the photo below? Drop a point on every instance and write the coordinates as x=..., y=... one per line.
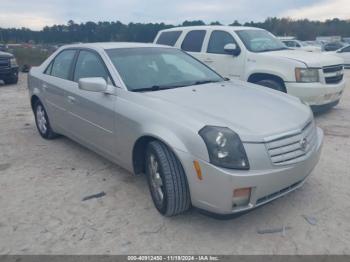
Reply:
x=193, y=41
x=346, y=49
x=169, y=38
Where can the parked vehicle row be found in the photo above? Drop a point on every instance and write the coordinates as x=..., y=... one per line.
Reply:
x=343, y=53
x=296, y=44
x=256, y=56
x=202, y=140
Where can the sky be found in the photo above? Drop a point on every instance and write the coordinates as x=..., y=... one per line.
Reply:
x=35, y=14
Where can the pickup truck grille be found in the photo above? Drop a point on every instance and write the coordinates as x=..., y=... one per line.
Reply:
x=293, y=148
x=4, y=63
x=333, y=74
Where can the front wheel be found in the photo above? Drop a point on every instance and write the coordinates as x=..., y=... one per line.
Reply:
x=272, y=84
x=42, y=121
x=167, y=180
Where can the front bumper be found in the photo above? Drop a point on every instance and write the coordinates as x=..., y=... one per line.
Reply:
x=8, y=72
x=316, y=94
x=214, y=193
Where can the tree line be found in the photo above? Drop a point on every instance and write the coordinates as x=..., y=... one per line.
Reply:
x=145, y=32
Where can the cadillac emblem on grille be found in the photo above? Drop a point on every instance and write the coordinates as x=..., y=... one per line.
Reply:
x=303, y=144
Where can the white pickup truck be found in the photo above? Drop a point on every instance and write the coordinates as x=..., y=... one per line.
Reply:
x=255, y=55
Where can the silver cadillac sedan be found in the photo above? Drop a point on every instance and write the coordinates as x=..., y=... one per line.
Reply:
x=220, y=145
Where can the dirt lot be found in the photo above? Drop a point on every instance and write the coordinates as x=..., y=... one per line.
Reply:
x=42, y=184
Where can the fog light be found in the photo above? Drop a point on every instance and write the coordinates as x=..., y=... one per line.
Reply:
x=241, y=196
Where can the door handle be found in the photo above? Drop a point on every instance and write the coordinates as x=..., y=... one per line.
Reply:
x=71, y=99
x=44, y=85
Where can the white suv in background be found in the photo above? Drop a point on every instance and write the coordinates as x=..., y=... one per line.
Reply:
x=255, y=55
x=298, y=45
x=343, y=53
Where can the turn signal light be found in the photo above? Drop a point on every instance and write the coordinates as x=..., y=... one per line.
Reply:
x=197, y=167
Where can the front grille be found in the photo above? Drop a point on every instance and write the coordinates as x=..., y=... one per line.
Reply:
x=4, y=62
x=332, y=69
x=334, y=79
x=293, y=148
x=333, y=74
x=278, y=193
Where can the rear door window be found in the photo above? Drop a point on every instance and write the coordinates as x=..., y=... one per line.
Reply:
x=289, y=43
x=169, y=38
x=193, y=41
x=62, y=64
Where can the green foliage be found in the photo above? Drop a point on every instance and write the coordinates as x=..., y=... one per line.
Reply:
x=137, y=32
x=29, y=56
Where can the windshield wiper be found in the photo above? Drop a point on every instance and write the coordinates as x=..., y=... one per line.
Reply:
x=202, y=82
x=276, y=49
x=164, y=87
x=155, y=88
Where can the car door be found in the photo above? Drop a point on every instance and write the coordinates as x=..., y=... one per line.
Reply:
x=55, y=81
x=193, y=44
x=216, y=57
x=92, y=113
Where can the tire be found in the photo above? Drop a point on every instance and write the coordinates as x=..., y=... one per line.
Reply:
x=273, y=84
x=42, y=122
x=169, y=177
x=12, y=80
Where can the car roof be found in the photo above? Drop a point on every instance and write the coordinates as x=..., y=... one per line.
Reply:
x=212, y=27
x=112, y=45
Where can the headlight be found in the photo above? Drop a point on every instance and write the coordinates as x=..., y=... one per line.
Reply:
x=13, y=62
x=225, y=148
x=306, y=75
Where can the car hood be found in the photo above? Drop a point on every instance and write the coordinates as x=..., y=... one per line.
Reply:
x=5, y=55
x=308, y=58
x=254, y=112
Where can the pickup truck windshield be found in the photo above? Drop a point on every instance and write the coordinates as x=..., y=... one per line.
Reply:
x=260, y=41
x=152, y=69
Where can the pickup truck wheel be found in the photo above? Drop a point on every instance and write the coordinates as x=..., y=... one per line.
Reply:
x=167, y=180
x=42, y=122
x=272, y=84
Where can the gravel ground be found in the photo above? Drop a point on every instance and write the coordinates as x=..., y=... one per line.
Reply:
x=42, y=184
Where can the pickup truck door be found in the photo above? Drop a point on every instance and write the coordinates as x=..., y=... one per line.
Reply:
x=91, y=114
x=193, y=43
x=215, y=56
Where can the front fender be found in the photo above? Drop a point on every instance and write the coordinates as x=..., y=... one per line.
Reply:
x=178, y=139
x=265, y=64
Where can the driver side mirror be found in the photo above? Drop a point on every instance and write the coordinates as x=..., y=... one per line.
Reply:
x=94, y=84
x=232, y=49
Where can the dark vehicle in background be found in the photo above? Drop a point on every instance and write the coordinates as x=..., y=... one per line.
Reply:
x=2, y=47
x=333, y=46
x=8, y=68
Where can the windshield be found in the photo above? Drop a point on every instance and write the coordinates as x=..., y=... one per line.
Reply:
x=260, y=41
x=151, y=69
